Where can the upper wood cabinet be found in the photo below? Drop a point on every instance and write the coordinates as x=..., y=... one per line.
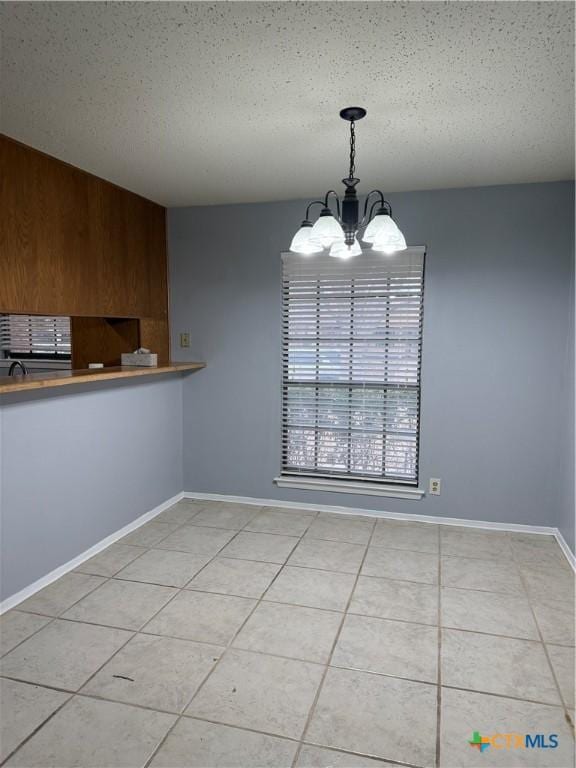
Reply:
x=74, y=244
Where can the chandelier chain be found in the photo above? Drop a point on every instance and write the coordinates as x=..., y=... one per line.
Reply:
x=352, y=150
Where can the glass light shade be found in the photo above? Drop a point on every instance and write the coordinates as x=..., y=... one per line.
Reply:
x=326, y=230
x=301, y=242
x=373, y=228
x=389, y=238
x=342, y=251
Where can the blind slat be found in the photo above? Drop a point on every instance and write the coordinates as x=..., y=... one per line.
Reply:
x=37, y=335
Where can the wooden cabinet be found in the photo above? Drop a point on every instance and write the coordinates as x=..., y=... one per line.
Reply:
x=74, y=244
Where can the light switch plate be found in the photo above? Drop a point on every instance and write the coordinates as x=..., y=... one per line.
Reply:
x=434, y=486
x=184, y=339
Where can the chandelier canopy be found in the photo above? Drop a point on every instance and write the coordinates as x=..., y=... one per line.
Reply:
x=338, y=230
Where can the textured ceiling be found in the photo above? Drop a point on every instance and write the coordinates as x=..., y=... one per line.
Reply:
x=194, y=103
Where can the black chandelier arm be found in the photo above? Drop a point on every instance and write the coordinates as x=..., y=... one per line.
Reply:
x=369, y=195
x=382, y=203
x=314, y=202
x=327, y=195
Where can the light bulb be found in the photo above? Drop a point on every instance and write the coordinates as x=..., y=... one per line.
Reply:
x=341, y=250
x=326, y=230
x=389, y=238
x=301, y=242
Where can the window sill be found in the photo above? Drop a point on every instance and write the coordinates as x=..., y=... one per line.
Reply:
x=345, y=486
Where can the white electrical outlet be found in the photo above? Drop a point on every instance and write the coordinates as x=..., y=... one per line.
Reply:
x=434, y=486
x=184, y=339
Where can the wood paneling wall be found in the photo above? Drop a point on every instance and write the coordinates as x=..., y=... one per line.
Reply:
x=74, y=244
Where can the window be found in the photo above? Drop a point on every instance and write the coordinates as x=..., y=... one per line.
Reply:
x=352, y=336
x=35, y=337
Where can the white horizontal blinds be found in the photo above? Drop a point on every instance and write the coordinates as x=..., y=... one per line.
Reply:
x=35, y=335
x=352, y=334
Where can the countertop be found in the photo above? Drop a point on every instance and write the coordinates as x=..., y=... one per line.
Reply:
x=88, y=375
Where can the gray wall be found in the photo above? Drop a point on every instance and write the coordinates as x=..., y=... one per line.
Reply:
x=566, y=457
x=76, y=466
x=496, y=330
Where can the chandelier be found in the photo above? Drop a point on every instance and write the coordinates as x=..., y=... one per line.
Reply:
x=339, y=229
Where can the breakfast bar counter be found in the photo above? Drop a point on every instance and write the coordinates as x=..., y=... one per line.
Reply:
x=10, y=384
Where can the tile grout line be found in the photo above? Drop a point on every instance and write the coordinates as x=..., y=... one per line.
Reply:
x=439, y=658
x=331, y=653
x=295, y=740
x=52, y=619
x=189, y=588
x=380, y=760
x=42, y=724
x=101, y=697
x=389, y=761
x=510, y=595
x=225, y=651
x=148, y=633
x=316, y=567
x=567, y=713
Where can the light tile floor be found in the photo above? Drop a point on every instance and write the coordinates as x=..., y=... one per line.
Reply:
x=232, y=636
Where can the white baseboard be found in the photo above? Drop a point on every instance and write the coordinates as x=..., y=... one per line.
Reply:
x=433, y=520
x=14, y=600
x=371, y=513
x=565, y=548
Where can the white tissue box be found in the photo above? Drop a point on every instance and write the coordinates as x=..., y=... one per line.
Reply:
x=148, y=360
